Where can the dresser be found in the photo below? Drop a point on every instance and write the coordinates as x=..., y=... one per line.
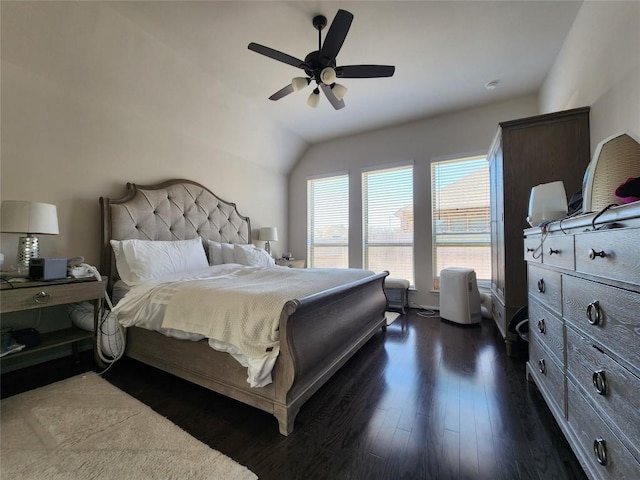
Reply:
x=27, y=295
x=583, y=277
x=525, y=153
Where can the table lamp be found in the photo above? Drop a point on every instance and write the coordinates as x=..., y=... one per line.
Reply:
x=268, y=234
x=18, y=216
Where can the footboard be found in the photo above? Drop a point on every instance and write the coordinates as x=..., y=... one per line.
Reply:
x=318, y=334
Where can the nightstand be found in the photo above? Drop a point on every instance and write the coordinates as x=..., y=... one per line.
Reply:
x=291, y=263
x=26, y=295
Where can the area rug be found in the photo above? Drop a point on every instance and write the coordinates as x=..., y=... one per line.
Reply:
x=85, y=428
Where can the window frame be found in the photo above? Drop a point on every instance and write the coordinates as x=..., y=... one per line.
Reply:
x=310, y=226
x=484, y=210
x=365, y=210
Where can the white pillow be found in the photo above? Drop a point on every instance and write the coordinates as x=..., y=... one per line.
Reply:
x=227, y=253
x=215, y=252
x=220, y=253
x=252, y=256
x=153, y=260
x=121, y=262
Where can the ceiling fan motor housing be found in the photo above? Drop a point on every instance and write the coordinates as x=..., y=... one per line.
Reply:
x=316, y=65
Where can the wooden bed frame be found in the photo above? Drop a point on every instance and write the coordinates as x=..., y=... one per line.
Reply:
x=318, y=333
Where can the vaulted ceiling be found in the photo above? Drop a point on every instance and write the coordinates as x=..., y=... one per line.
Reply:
x=445, y=52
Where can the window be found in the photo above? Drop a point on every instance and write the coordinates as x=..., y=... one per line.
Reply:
x=387, y=203
x=461, y=218
x=328, y=222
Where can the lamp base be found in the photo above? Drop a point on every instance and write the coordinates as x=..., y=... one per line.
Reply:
x=28, y=248
x=267, y=247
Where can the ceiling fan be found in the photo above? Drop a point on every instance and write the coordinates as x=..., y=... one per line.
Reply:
x=320, y=65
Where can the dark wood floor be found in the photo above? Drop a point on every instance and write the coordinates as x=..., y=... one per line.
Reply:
x=426, y=400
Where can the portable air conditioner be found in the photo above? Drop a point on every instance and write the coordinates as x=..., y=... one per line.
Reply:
x=459, y=296
x=615, y=160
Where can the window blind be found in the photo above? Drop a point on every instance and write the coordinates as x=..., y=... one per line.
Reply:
x=387, y=201
x=328, y=222
x=461, y=216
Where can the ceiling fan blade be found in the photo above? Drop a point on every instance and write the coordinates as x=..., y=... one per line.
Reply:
x=336, y=35
x=276, y=55
x=283, y=92
x=365, y=71
x=337, y=104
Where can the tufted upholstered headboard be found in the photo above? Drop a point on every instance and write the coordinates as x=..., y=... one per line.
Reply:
x=172, y=210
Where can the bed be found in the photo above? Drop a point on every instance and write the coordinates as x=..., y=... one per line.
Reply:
x=318, y=333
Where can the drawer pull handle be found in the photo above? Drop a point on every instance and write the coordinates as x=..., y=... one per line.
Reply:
x=600, y=382
x=600, y=449
x=541, y=326
x=529, y=249
x=594, y=314
x=542, y=366
x=42, y=297
x=541, y=285
x=593, y=254
x=552, y=251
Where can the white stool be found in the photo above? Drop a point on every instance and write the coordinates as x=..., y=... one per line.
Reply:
x=459, y=296
x=396, y=291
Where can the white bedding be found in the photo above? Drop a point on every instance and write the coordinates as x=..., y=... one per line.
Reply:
x=236, y=307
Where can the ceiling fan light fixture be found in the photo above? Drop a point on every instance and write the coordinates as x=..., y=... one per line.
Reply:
x=328, y=76
x=314, y=98
x=339, y=90
x=298, y=83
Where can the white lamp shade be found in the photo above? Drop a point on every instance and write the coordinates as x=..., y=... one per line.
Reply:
x=547, y=202
x=298, y=83
x=328, y=76
x=269, y=234
x=18, y=216
x=339, y=91
x=314, y=98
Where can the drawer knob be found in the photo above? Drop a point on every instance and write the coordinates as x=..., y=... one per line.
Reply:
x=600, y=382
x=541, y=285
x=42, y=297
x=552, y=251
x=593, y=254
x=600, y=449
x=594, y=313
x=541, y=326
x=542, y=366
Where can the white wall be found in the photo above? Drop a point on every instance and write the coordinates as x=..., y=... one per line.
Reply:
x=599, y=65
x=454, y=135
x=90, y=101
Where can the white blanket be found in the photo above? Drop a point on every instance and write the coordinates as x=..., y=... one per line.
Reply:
x=232, y=305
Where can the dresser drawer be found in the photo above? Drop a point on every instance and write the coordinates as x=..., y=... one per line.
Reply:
x=547, y=328
x=533, y=249
x=499, y=313
x=545, y=286
x=19, y=298
x=611, y=387
x=591, y=433
x=548, y=373
x=610, y=254
x=608, y=314
x=558, y=251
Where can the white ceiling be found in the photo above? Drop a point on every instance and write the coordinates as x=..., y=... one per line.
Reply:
x=444, y=53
